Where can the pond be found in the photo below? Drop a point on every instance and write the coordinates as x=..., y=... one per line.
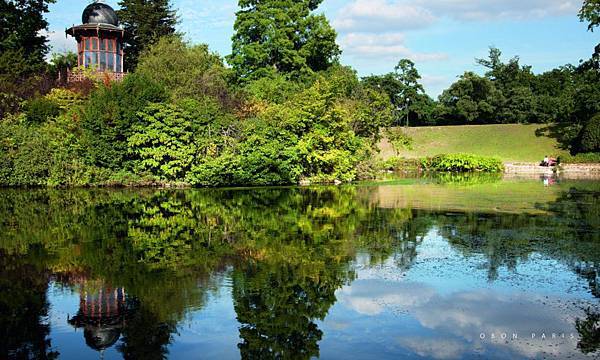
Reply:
x=438, y=268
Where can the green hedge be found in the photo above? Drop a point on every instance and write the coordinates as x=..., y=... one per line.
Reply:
x=583, y=158
x=462, y=163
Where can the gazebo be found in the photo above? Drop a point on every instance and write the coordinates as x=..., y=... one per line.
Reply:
x=99, y=42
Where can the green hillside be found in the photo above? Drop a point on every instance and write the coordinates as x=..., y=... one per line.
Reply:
x=510, y=142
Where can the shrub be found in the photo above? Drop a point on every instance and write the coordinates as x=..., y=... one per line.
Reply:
x=45, y=155
x=66, y=99
x=162, y=143
x=582, y=158
x=462, y=163
x=40, y=110
x=186, y=70
x=109, y=116
x=397, y=163
x=590, y=135
x=260, y=159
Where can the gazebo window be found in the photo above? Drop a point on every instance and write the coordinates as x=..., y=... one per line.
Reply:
x=103, y=53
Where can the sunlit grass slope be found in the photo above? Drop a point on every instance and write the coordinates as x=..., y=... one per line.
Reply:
x=509, y=142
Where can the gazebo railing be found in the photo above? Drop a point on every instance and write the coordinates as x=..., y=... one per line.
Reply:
x=79, y=75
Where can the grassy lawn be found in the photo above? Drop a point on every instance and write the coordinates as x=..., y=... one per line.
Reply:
x=509, y=142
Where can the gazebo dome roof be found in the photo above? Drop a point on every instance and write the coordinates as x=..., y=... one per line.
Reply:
x=99, y=13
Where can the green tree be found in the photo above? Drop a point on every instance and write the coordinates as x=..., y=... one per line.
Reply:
x=187, y=71
x=144, y=22
x=590, y=12
x=471, y=99
x=108, y=118
x=281, y=36
x=60, y=63
x=21, y=28
x=22, y=51
x=406, y=93
x=590, y=135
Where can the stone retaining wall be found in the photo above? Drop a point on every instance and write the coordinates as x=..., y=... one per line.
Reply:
x=535, y=169
x=528, y=168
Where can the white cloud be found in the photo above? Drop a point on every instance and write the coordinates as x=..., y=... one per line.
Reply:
x=434, y=348
x=473, y=10
x=59, y=42
x=376, y=29
x=395, y=15
x=381, y=15
x=459, y=318
x=383, y=46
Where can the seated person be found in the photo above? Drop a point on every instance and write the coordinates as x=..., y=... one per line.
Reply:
x=546, y=161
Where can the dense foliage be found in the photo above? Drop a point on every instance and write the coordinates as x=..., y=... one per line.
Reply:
x=275, y=36
x=22, y=50
x=581, y=158
x=407, y=95
x=144, y=22
x=109, y=116
x=21, y=28
x=162, y=142
x=590, y=135
x=462, y=163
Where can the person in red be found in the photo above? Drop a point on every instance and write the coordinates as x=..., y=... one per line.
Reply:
x=548, y=161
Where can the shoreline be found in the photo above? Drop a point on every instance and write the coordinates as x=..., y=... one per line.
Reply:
x=591, y=171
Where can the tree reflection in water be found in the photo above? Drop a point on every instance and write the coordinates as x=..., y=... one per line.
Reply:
x=157, y=255
x=589, y=332
x=24, y=330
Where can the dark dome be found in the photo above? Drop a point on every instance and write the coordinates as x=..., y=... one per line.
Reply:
x=101, y=338
x=99, y=13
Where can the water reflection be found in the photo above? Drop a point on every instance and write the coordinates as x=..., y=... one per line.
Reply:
x=103, y=312
x=368, y=271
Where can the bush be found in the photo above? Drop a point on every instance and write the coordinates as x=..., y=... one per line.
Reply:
x=45, y=155
x=462, y=163
x=109, y=116
x=162, y=142
x=582, y=158
x=590, y=135
x=66, y=99
x=40, y=110
x=188, y=71
x=260, y=159
x=395, y=163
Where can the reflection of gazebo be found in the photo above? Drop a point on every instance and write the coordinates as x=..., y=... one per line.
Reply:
x=99, y=42
x=102, y=314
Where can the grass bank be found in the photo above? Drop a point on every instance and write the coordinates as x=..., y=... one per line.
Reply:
x=510, y=142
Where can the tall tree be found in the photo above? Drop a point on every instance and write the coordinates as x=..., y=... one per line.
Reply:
x=590, y=12
x=515, y=100
x=21, y=28
x=281, y=36
x=407, y=95
x=145, y=21
x=471, y=99
x=22, y=51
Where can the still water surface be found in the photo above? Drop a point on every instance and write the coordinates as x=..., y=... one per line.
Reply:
x=408, y=269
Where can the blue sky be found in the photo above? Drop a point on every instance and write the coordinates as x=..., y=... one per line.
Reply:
x=443, y=37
